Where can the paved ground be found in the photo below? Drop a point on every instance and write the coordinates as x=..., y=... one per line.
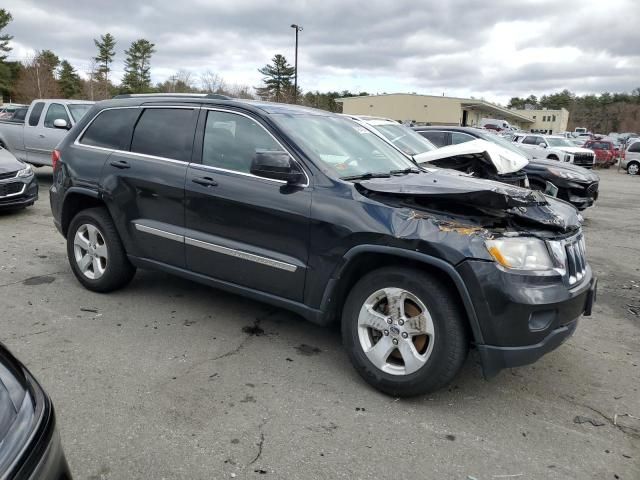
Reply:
x=169, y=379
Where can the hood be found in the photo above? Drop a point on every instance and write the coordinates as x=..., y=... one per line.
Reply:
x=9, y=163
x=468, y=194
x=573, y=149
x=544, y=163
x=504, y=161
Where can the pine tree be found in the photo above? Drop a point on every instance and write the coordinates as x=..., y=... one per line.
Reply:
x=278, y=80
x=137, y=77
x=5, y=38
x=69, y=80
x=106, y=52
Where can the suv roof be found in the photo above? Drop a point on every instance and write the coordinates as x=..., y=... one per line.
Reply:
x=209, y=99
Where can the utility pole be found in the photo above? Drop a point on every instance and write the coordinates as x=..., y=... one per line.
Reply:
x=298, y=29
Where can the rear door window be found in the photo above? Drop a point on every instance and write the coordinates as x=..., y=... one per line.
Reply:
x=111, y=129
x=438, y=138
x=56, y=111
x=165, y=132
x=634, y=148
x=34, y=116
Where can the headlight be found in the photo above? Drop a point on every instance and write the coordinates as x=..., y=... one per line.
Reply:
x=25, y=172
x=567, y=174
x=521, y=253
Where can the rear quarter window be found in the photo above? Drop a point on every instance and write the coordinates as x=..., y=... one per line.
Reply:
x=111, y=129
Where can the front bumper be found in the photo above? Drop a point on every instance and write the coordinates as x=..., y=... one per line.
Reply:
x=523, y=317
x=18, y=192
x=580, y=195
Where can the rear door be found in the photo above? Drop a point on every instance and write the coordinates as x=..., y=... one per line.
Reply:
x=241, y=228
x=144, y=184
x=29, y=133
x=42, y=139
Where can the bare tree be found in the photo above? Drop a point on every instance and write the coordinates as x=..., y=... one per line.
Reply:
x=179, y=82
x=211, y=82
x=36, y=78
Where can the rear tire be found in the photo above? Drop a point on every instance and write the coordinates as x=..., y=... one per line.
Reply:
x=423, y=347
x=95, y=252
x=633, y=168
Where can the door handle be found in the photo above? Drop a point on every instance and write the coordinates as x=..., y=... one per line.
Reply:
x=120, y=164
x=42, y=136
x=205, y=181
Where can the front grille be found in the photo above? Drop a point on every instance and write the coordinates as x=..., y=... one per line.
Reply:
x=576, y=259
x=583, y=159
x=7, y=189
x=4, y=176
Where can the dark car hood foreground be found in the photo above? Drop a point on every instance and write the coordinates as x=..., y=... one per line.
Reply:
x=9, y=163
x=454, y=192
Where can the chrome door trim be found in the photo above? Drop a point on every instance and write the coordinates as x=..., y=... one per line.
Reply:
x=159, y=233
x=232, y=252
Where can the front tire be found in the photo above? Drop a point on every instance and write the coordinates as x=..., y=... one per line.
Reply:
x=633, y=168
x=95, y=252
x=404, y=331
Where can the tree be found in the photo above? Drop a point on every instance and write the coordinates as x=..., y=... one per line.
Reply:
x=179, y=82
x=104, y=59
x=137, y=77
x=5, y=38
x=69, y=80
x=277, y=80
x=37, y=77
x=211, y=82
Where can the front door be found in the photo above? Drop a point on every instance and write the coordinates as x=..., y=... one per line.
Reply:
x=240, y=228
x=144, y=185
x=42, y=139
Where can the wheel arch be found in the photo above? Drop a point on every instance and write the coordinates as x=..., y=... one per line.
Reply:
x=75, y=200
x=364, y=258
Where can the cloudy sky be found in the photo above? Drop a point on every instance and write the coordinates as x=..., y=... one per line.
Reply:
x=494, y=50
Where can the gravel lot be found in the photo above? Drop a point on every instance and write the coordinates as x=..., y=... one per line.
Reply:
x=169, y=379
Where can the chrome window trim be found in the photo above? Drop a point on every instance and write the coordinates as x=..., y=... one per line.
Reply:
x=227, y=110
x=235, y=172
x=24, y=187
x=232, y=252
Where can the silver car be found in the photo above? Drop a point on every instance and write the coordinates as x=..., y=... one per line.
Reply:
x=631, y=160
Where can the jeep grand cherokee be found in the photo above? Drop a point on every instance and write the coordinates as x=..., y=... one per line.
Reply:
x=312, y=212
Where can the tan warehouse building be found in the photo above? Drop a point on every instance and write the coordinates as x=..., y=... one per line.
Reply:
x=436, y=110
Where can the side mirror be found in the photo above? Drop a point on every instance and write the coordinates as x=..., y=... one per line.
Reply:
x=542, y=145
x=277, y=166
x=61, y=123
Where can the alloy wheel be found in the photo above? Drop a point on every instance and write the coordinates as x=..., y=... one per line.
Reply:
x=633, y=169
x=396, y=331
x=90, y=251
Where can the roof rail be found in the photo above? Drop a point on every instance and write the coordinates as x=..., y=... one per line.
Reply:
x=215, y=96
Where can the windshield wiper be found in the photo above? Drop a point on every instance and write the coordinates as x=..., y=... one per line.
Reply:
x=366, y=176
x=404, y=171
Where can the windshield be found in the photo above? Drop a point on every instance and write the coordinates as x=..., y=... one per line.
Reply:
x=559, y=142
x=78, y=110
x=346, y=148
x=404, y=138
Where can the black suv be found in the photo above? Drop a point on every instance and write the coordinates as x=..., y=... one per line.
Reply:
x=309, y=211
x=575, y=184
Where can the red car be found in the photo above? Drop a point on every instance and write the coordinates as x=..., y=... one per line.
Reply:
x=605, y=150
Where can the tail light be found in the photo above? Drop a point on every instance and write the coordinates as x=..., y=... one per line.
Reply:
x=55, y=159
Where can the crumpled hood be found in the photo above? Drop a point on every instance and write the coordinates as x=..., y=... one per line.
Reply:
x=9, y=163
x=494, y=198
x=504, y=160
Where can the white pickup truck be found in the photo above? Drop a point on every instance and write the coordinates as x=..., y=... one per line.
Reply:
x=46, y=123
x=554, y=148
